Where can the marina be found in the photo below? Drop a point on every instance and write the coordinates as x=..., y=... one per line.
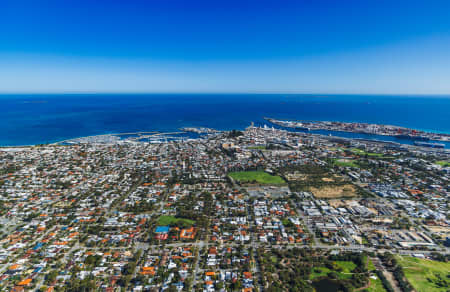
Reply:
x=148, y=137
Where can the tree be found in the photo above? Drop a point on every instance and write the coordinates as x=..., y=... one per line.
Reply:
x=51, y=276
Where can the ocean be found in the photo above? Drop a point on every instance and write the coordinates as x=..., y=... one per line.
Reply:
x=30, y=119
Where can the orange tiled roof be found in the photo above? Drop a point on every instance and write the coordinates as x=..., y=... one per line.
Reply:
x=25, y=282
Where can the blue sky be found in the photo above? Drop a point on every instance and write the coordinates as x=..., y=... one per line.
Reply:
x=311, y=46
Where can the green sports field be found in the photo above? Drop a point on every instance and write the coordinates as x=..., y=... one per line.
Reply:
x=260, y=177
x=362, y=152
x=346, y=163
x=171, y=220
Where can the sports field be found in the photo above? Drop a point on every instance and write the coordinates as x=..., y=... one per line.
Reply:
x=171, y=220
x=259, y=177
x=362, y=152
x=346, y=163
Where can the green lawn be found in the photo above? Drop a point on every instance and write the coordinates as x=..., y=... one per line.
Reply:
x=443, y=163
x=171, y=220
x=346, y=273
x=370, y=265
x=260, y=177
x=424, y=274
x=376, y=285
x=319, y=272
x=346, y=266
x=346, y=163
x=257, y=147
x=362, y=152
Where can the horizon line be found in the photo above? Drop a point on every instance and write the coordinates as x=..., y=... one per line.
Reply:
x=221, y=93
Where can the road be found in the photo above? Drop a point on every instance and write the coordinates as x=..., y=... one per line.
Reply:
x=256, y=271
x=355, y=248
x=200, y=245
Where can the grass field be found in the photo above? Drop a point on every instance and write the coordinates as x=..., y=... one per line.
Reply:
x=345, y=163
x=346, y=266
x=345, y=273
x=319, y=272
x=257, y=147
x=171, y=220
x=376, y=285
x=443, y=163
x=370, y=265
x=362, y=152
x=260, y=177
x=424, y=274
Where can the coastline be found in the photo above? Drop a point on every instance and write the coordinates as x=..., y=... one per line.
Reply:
x=66, y=117
x=165, y=135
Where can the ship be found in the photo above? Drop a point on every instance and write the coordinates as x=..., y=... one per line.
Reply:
x=431, y=145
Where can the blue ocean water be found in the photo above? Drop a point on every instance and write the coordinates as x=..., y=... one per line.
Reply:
x=34, y=119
